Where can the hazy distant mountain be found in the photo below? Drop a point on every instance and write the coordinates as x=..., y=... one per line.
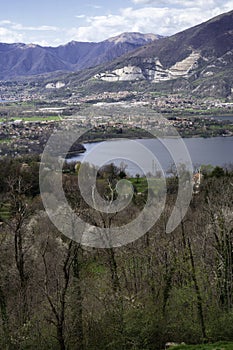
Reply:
x=199, y=59
x=24, y=60
x=20, y=59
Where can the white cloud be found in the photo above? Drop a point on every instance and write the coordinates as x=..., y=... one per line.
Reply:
x=11, y=32
x=5, y=21
x=159, y=20
x=9, y=36
x=17, y=26
x=163, y=17
x=99, y=28
x=80, y=16
x=143, y=2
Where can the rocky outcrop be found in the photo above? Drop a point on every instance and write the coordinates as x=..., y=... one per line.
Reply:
x=152, y=70
x=128, y=73
x=186, y=66
x=57, y=85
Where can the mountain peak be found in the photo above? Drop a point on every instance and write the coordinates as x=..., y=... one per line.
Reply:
x=132, y=37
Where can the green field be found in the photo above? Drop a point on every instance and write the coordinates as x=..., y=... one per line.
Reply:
x=215, y=346
x=4, y=211
x=33, y=119
x=141, y=184
x=5, y=141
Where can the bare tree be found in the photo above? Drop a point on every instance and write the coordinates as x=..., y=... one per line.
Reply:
x=58, y=306
x=21, y=211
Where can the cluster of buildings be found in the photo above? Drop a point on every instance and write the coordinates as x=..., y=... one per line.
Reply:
x=23, y=137
x=11, y=91
x=20, y=137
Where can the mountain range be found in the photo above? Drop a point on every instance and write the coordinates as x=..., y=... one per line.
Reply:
x=197, y=61
x=25, y=60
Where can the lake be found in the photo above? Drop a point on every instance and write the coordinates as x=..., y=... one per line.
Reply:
x=222, y=118
x=137, y=153
x=6, y=101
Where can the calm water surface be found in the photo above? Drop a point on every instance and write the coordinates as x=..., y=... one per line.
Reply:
x=214, y=151
x=223, y=117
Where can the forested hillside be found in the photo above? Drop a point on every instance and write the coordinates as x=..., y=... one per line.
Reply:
x=57, y=294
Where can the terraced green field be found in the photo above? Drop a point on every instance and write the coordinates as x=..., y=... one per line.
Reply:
x=215, y=346
x=34, y=119
x=4, y=211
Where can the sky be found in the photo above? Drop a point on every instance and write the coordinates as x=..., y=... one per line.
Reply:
x=57, y=22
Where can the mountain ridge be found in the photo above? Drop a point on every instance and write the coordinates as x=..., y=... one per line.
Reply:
x=202, y=52
x=21, y=59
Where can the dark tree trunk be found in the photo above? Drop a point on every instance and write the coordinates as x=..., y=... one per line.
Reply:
x=78, y=320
